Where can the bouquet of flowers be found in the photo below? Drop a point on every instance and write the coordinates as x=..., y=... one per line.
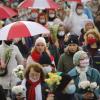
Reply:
x=7, y=54
x=53, y=81
x=88, y=86
x=19, y=72
x=19, y=90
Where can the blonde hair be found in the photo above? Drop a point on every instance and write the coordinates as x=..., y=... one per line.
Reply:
x=94, y=27
x=94, y=32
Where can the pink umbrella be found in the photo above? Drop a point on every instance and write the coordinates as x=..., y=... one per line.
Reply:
x=39, y=4
x=6, y=12
x=21, y=29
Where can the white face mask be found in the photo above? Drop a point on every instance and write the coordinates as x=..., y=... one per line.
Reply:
x=47, y=69
x=42, y=21
x=80, y=11
x=70, y=89
x=61, y=33
x=84, y=63
x=51, y=15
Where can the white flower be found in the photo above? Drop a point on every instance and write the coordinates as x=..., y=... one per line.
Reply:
x=93, y=85
x=20, y=67
x=19, y=72
x=84, y=84
x=20, y=89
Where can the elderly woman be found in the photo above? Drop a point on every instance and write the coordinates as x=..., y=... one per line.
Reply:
x=83, y=72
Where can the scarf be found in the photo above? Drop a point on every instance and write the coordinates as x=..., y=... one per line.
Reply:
x=31, y=90
x=82, y=73
x=36, y=56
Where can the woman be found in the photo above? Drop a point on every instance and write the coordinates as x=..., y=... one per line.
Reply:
x=92, y=47
x=41, y=54
x=34, y=83
x=83, y=72
x=60, y=36
x=89, y=24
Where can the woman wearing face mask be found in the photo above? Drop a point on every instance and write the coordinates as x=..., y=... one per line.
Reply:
x=89, y=24
x=84, y=72
x=66, y=90
x=34, y=83
x=42, y=19
x=51, y=15
x=92, y=46
x=60, y=37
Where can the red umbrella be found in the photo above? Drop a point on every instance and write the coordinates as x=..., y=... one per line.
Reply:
x=22, y=29
x=6, y=12
x=39, y=4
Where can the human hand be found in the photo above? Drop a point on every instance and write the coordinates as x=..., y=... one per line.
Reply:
x=50, y=97
x=88, y=96
x=2, y=64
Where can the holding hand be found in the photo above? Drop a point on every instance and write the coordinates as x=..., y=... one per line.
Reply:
x=50, y=97
x=88, y=96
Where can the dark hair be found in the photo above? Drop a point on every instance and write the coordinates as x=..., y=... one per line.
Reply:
x=37, y=67
x=79, y=4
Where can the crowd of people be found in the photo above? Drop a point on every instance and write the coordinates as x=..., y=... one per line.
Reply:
x=72, y=49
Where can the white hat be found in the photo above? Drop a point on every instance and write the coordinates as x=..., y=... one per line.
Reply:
x=40, y=40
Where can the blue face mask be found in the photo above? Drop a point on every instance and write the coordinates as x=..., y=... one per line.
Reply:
x=70, y=89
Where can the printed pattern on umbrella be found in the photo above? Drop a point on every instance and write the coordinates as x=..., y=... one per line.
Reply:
x=21, y=29
x=39, y=4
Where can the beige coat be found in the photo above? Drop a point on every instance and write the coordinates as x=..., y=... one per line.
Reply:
x=9, y=80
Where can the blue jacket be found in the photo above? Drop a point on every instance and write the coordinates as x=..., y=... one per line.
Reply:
x=92, y=75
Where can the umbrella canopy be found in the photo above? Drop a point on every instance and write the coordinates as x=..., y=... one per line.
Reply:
x=6, y=12
x=78, y=0
x=39, y=4
x=21, y=29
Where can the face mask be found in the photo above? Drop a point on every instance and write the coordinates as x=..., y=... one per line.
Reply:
x=91, y=41
x=79, y=11
x=47, y=69
x=51, y=15
x=8, y=42
x=84, y=63
x=61, y=33
x=34, y=15
x=42, y=21
x=70, y=89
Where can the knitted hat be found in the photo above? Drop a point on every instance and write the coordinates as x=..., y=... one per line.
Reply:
x=73, y=39
x=77, y=56
x=40, y=40
x=64, y=82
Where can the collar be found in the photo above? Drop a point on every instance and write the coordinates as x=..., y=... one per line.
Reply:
x=5, y=45
x=75, y=73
